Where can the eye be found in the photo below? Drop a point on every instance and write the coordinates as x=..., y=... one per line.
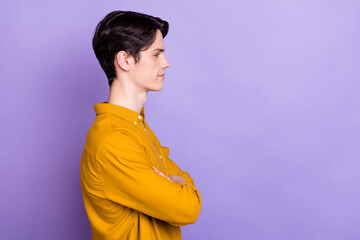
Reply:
x=156, y=54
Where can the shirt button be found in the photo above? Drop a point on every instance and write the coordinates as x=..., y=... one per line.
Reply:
x=135, y=123
x=139, y=117
x=160, y=156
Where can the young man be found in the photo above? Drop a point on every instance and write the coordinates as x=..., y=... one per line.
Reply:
x=130, y=186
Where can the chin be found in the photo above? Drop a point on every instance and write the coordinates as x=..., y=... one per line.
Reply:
x=158, y=88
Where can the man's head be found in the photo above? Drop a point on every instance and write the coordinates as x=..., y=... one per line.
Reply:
x=126, y=34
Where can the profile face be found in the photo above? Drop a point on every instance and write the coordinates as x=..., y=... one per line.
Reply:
x=149, y=72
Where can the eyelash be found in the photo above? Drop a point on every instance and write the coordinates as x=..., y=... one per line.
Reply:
x=156, y=54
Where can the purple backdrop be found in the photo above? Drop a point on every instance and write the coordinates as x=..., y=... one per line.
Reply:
x=260, y=105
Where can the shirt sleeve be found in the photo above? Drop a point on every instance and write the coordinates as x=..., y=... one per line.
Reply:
x=175, y=170
x=129, y=179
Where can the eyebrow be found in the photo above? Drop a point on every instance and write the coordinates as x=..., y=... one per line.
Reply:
x=159, y=49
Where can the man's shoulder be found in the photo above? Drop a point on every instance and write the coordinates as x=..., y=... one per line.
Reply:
x=105, y=128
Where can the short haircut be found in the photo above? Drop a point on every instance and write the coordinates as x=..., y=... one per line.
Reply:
x=127, y=31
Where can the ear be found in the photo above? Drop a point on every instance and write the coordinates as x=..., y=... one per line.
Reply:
x=122, y=60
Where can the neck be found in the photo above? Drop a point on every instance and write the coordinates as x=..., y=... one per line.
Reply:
x=127, y=96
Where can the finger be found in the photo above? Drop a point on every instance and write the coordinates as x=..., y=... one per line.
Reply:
x=156, y=170
x=165, y=177
x=161, y=173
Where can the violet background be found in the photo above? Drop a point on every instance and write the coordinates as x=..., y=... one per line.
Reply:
x=260, y=106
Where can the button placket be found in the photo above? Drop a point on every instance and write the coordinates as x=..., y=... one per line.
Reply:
x=156, y=149
x=144, y=125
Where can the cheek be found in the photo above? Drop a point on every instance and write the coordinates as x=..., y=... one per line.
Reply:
x=147, y=71
x=148, y=68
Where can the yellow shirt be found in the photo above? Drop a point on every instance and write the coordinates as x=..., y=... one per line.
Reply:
x=123, y=195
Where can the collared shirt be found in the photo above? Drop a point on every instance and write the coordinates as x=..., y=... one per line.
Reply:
x=123, y=195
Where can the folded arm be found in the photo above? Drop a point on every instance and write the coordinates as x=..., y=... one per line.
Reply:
x=130, y=180
x=175, y=169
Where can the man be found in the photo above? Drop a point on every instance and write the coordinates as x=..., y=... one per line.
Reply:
x=130, y=186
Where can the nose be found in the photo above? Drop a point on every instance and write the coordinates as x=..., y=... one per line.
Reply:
x=166, y=63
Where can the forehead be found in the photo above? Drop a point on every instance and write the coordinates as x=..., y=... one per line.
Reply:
x=158, y=44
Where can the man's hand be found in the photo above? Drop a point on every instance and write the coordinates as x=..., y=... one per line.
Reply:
x=161, y=174
x=173, y=178
x=176, y=178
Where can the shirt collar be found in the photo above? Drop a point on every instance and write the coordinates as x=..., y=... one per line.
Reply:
x=120, y=111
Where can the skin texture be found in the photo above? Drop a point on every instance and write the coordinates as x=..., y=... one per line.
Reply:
x=133, y=80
